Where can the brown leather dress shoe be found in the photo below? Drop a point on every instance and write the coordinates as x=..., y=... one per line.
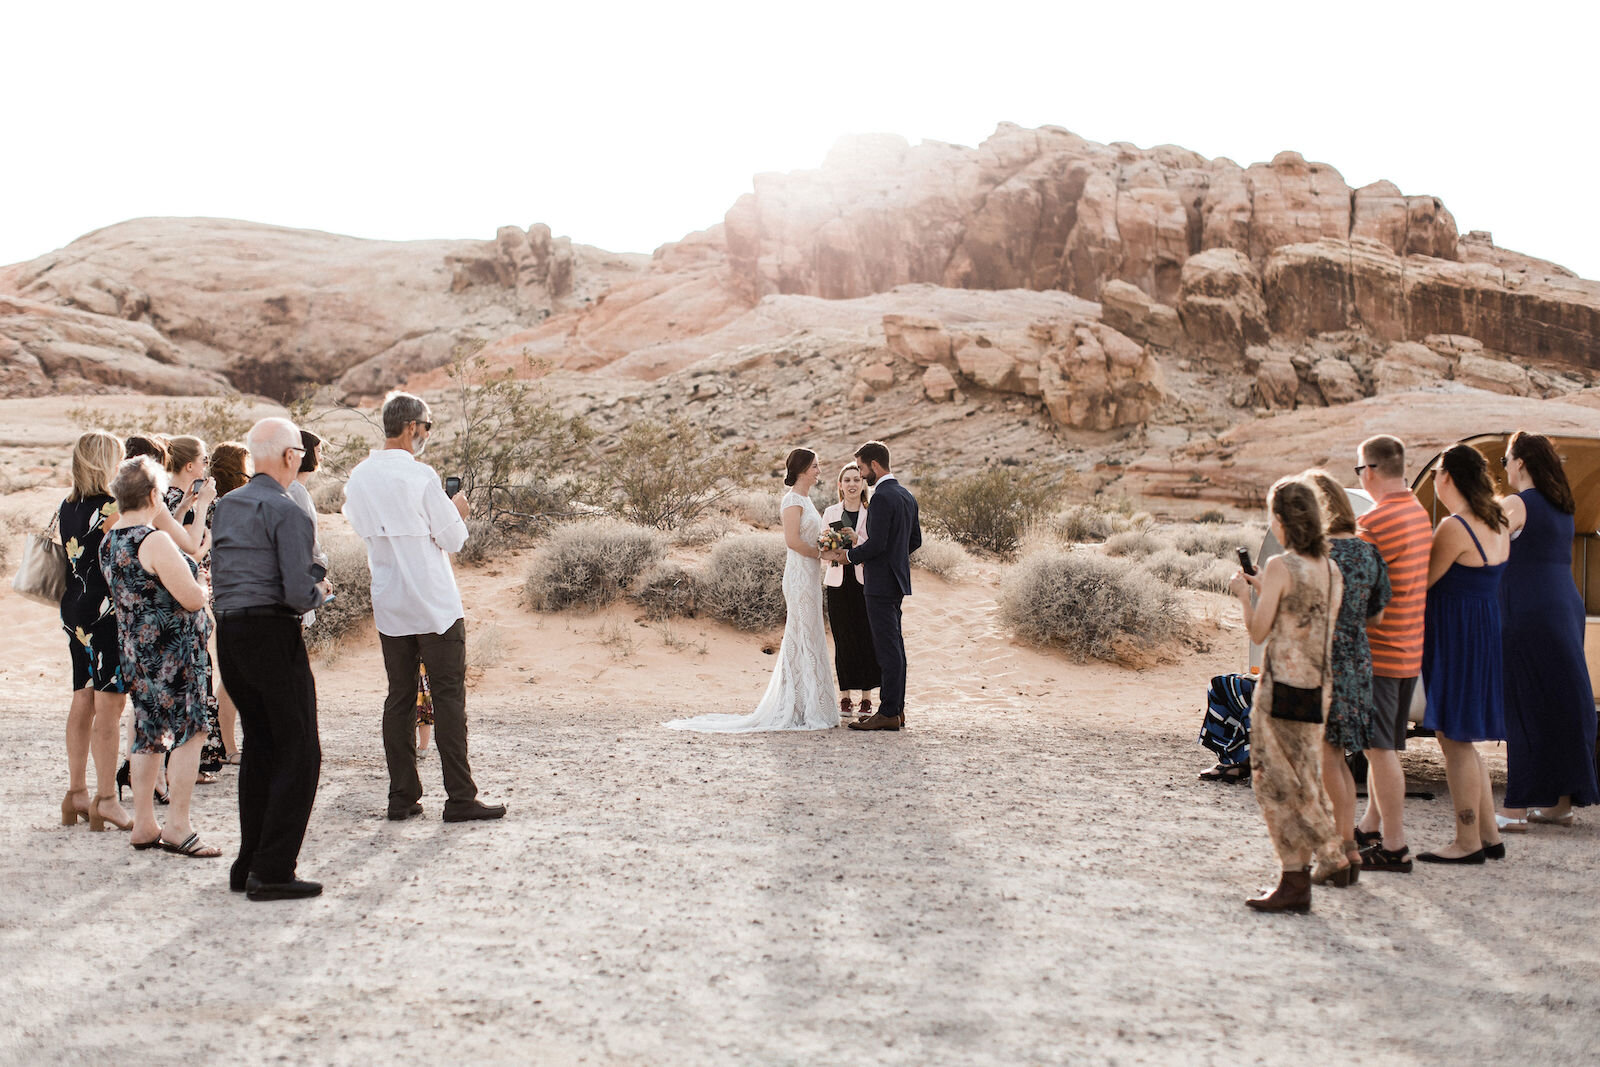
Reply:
x=878, y=721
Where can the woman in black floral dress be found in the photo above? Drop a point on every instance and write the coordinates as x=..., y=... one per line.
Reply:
x=91, y=625
x=162, y=626
x=1366, y=594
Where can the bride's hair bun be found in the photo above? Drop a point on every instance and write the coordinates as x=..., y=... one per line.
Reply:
x=799, y=461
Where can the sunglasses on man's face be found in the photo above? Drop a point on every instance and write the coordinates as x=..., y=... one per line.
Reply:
x=426, y=424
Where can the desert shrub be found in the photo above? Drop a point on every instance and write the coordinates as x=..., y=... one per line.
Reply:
x=327, y=493
x=486, y=542
x=352, y=602
x=1139, y=542
x=942, y=556
x=989, y=510
x=213, y=419
x=666, y=592
x=757, y=507
x=507, y=441
x=1215, y=575
x=1176, y=568
x=703, y=531
x=486, y=647
x=742, y=581
x=666, y=474
x=1091, y=606
x=587, y=564
x=1211, y=516
x=1085, y=522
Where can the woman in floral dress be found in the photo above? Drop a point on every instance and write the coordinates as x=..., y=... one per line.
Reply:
x=1366, y=594
x=162, y=627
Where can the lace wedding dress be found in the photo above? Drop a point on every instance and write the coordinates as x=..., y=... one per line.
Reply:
x=801, y=695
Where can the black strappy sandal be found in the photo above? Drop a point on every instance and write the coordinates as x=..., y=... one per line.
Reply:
x=1231, y=773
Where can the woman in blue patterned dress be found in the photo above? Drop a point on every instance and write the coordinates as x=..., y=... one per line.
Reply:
x=1366, y=594
x=162, y=626
x=91, y=625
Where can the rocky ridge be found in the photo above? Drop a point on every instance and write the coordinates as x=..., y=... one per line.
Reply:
x=1126, y=299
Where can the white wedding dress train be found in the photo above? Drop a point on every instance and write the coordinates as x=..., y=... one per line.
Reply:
x=801, y=695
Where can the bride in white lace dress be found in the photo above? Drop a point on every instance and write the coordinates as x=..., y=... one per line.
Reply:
x=801, y=694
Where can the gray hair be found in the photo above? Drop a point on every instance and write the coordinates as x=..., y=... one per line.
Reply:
x=268, y=439
x=400, y=409
x=136, y=478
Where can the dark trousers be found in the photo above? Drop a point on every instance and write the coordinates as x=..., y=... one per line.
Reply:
x=446, y=657
x=883, y=615
x=264, y=665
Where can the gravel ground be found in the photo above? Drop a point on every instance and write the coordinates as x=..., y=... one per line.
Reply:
x=1032, y=887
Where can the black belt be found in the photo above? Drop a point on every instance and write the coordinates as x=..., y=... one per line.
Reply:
x=272, y=611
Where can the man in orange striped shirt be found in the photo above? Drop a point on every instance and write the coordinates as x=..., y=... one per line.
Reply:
x=1399, y=527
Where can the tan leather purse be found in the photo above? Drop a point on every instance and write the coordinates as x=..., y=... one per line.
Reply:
x=43, y=573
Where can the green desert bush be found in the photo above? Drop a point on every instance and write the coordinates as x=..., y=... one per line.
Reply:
x=989, y=510
x=667, y=591
x=1091, y=606
x=666, y=474
x=588, y=564
x=942, y=556
x=741, y=581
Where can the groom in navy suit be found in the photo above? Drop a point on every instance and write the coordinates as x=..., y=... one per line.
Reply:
x=893, y=533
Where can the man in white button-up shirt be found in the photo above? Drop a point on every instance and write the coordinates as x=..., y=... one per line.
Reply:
x=400, y=510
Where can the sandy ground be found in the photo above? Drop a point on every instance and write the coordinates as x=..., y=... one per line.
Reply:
x=1029, y=874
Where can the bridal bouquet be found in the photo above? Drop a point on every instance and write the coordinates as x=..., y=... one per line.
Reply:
x=837, y=537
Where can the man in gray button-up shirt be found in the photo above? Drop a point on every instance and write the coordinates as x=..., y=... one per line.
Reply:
x=264, y=579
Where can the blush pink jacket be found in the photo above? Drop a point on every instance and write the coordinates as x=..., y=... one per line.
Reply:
x=834, y=575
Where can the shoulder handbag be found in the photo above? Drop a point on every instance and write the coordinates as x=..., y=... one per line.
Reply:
x=1297, y=704
x=43, y=573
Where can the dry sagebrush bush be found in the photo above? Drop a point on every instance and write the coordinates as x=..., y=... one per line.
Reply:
x=1085, y=522
x=757, y=507
x=666, y=592
x=742, y=582
x=486, y=541
x=1138, y=542
x=942, y=556
x=587, y=564
x=327, y=493
x=1092, y=607
x=1176, y=568
x=352, y=602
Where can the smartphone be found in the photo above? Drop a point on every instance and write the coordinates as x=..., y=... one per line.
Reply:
x=330, y=597
x=452, y=485
x=199, y=484
x=1244, y=561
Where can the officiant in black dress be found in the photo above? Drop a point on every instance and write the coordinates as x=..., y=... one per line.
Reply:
x=854, y=659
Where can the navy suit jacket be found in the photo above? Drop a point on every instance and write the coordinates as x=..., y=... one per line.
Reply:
x=893, y=533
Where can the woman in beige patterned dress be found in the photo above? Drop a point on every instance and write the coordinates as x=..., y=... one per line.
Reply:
x=1298, y=593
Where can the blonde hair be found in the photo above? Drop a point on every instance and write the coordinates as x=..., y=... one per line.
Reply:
x=866, y=493
x=182, y=451
x=95, y=459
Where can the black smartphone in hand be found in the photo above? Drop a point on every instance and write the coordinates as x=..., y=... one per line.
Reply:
x=452, y=485
x=199, y=484
x=1244, y=561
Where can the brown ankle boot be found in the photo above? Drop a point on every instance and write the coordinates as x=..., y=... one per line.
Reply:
x=1293, y=894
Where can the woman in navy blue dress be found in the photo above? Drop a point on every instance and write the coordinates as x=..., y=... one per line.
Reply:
x=1461, y=653
x=1550, y=717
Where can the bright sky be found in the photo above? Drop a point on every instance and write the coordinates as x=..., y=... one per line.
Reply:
x=626, y=125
